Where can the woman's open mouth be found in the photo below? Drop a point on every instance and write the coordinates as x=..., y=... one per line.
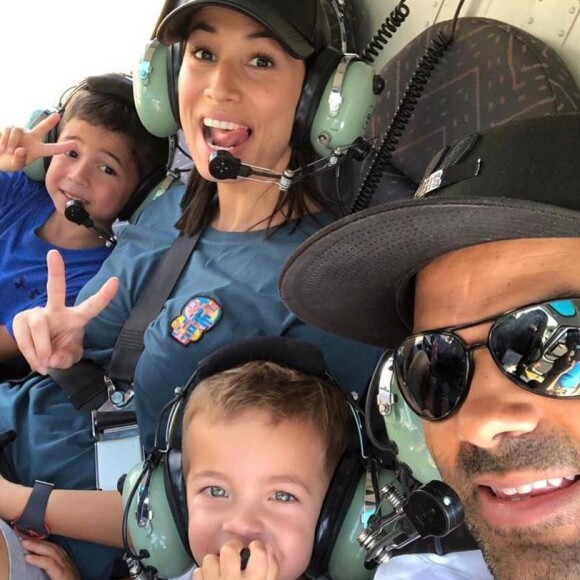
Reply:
x=224, y=135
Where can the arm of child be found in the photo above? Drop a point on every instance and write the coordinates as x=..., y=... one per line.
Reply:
x=261, y=564
x=51, y=558
x=52, y=336
x=8, y=347
x=19, y=147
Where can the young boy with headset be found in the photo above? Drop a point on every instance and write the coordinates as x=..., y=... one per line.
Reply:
x=261, y=443
x=100, y=156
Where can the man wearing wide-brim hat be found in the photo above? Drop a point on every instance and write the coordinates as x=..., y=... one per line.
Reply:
x=490, y=242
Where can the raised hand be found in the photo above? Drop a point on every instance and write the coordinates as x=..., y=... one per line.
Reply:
x=261, y=564
x=52, y=336
x=19, y=147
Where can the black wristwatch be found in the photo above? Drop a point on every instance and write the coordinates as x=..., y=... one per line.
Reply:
x=31, y=523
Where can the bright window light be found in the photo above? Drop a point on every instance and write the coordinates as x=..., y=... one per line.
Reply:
x=47, y=46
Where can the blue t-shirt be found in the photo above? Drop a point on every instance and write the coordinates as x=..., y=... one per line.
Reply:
x=228, y=291
x=25, y=206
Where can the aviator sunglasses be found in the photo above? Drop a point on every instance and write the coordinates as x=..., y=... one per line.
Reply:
x=536, y=346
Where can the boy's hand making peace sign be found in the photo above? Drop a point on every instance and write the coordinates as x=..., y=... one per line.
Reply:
x=19, y=147
x=52, y=336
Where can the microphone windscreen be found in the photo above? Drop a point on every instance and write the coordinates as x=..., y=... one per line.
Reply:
x=76, y=213
x=223, y=165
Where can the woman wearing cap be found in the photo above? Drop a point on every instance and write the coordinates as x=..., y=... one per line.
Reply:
x=240, y=82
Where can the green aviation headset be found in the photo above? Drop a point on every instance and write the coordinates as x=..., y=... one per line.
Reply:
x=338, y=96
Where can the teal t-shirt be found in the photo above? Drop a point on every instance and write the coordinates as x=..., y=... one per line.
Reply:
x=228, y=291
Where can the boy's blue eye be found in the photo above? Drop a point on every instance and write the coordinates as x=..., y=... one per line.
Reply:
x=284, y=496
x=215, y=491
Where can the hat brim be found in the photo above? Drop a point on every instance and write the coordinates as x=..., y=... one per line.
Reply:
x=175, y=26
x=355, y=277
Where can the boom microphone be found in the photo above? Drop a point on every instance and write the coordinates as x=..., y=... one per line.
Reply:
x=223, y=165
x=76, y=213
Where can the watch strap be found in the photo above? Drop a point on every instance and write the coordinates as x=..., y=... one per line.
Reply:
x=31, y=523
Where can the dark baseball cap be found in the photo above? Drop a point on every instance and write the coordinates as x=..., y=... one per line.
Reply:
x=300, y=26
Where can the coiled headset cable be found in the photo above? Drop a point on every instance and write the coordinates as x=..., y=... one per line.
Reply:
x=382, y=157
x=386, y=31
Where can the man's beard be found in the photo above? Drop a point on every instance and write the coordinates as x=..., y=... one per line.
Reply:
x=521, y=553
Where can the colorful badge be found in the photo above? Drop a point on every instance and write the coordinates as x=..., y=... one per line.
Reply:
x=198, y=316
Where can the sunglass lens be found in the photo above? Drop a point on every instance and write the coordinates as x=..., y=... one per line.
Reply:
x=537, y=353
x=432, y=373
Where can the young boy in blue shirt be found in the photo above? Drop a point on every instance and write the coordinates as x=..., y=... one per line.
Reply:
x=101, y=155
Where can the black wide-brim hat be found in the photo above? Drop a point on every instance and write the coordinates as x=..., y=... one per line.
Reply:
x=519, y=180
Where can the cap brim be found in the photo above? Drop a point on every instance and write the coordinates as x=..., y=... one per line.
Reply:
x=175, y=26
x=353, y=277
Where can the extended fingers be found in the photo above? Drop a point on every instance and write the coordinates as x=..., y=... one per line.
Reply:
x=43, y=127
x=56, y=281
x=96, y=303
x=50, y=149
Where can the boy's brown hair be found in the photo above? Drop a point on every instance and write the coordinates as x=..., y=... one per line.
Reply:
x=116, y=114
x=283, y=393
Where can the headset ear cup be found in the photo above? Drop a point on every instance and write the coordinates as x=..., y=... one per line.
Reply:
x=342, y=117
x=156, y=533
x=175, y=486
x=155, y=88
x=317, y=77
x=147, y=185
x=37, y=169
x=339, y=496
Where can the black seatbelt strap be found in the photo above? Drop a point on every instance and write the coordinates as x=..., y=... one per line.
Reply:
x=85, y=382
x=129, y=345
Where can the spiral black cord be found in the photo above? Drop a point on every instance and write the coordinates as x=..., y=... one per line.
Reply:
x=382, y=158
x=392, y=22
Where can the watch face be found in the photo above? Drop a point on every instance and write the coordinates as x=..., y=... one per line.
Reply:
x=24, y=532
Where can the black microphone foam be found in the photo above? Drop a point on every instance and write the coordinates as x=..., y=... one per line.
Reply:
x=223, y=165
x=76, y=213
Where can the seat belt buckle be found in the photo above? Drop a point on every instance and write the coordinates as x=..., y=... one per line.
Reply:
x=117, y=446
x=117, y=398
